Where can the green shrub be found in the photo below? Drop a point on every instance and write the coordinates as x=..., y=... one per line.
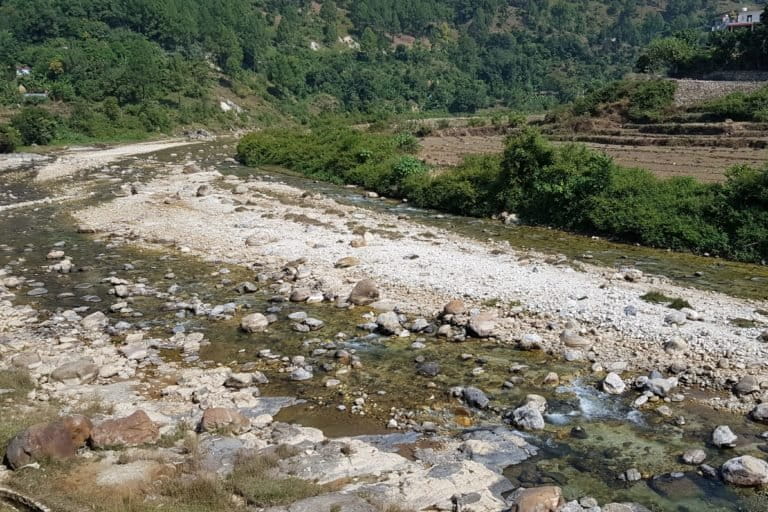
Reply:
x=406, y=141
x=36, y=126
x=637, y=100
x=10, y=139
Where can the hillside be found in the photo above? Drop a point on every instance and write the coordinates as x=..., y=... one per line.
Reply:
x=117, y=69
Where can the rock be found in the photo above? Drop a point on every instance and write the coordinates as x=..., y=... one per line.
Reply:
x=58, y=440
x=300, y=374
x=135, y=352
x=675, y=318
x=482, y=325
x=551, y=379
x=349, y=261
x=203, y=190
x=134, y=430
x=572, y=339
x=613, y=384
x=300, y=295
x=632, y=475
x=760, y=413
x=428, y=369
x=676, y=344
x=256, y=240
x=336, y=502
x=475, y=398
x=454, y=307
x=624, y=507
x=81, y=371
x=255, y=322
x=26, y=360
x=694, y=457
x=723, y=437
x=97, y=320
x=389, y=323
x=660, y=386
x=528, y=417
x=747, y=385
x=239, y=380
x=745, y=471
x=531, y=341
x=221, y=420
x=537, y=499
x=365, y=292
x=764, y=336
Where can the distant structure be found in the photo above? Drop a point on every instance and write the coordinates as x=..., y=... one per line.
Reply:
x=23, y=71
x=745, y=18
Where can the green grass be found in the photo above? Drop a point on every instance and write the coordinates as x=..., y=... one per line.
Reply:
x=254, y=479
x=655, y=297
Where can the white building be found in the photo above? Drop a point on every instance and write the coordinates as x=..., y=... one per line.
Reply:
x=746, y=17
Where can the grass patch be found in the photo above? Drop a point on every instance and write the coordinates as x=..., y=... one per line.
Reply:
x=17, y=380
x=655, y=297
x=744, y=323
x=254, y=478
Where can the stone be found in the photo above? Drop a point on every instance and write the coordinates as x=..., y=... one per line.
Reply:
x=675, y=318
x=676, y=344
x=203, y=191
x=745, y=471
x=239, y=380
x=475, y=398
x=428, y=369
x=537, y=499
x=613, y=384
x=723, y=437
x=300, y=295
x=632, y=475
x=57, y=440
x=349, y=261
x=134, y=430
x=482, y=325
x=81, y=371
x=300, y=374
x=551, y=379
x=572, y=339
x=694, y=457
x=760, y=413
x=97, y=320
x=365, y=292
x=255, y=322
x=531, y=341
x=389, y=323
x=26, y=360
x=660, y=386
x=222, y=420
x=454, y=307
x=528, y=417
x=623, y=507
x=747, y=385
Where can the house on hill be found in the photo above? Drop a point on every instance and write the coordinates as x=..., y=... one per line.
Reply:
x=745, y=18
x=22, y=71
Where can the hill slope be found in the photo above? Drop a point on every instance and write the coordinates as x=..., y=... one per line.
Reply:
x=148, y=65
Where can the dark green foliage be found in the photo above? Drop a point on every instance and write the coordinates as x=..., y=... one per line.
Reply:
x=638, y=100
x=655, y=297
x=36, y=126
x=568, y=187
x=739, y=106
x=10, y=139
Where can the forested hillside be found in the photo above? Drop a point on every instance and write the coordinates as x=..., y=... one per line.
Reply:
x=112, y=67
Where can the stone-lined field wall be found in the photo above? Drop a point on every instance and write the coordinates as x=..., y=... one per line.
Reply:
x=691, y=92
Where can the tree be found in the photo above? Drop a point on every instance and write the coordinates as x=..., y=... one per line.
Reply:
x=35, y=125
x=667, y=54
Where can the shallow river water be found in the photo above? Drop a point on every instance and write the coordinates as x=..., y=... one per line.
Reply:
x=590, y=438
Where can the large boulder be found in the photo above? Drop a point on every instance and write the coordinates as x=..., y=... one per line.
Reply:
x=221, y=420
x=134, y=430
x=613, y=384
x=572, y=339
x=528, y=417
x=58, y=440
x=482, y=325
x=537, y=499
x=81, y=371
x=365, y=292
x=723, y=437
x=760, y=413
x=475, y=398
x=454, y=307
x=389, y=323
x=94, y=321
x=745, y=471
x=255, y=322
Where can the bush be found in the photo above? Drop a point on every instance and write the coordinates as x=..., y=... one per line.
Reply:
x=570, y=187
x=10, y=139
x=36, y=126
x=637, y=100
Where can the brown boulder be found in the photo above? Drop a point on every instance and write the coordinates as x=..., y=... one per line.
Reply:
x=455, y=307
x=220, y=419
x=133, y=430
x=57, y=440
x=537, y=499
x=365, y=292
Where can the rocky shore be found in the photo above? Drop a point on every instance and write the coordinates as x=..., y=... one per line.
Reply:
x=133, y=403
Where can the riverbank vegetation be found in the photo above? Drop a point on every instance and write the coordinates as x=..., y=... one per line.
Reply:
x=569, y=187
